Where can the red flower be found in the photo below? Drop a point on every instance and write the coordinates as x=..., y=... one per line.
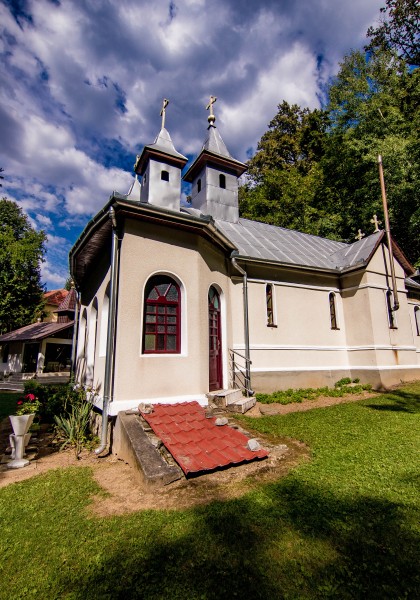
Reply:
x=19, y=402
x=30, y=397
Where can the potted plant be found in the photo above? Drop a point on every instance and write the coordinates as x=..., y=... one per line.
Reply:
x=27, y=407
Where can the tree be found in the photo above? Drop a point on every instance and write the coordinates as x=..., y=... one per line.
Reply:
x=284, y=176
x=374, y=109
x=21, y=251
x=399, y=30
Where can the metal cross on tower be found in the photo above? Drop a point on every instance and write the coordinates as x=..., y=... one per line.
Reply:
x=163, y=111
x=211, y=118
x=359, y=235
x=376, y=223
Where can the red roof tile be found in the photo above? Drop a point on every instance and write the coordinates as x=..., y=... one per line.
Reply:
x=196, y=443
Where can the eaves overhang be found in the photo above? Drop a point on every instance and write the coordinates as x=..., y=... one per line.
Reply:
x=158, y=155
x=208, y=157
x=96, y=237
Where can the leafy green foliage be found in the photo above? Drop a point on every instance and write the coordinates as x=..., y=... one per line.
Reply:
x=53, y=398
x=375, y=109
x=343, y=525
x=73, y=427
x=8, y=403
x=21, y=251
x=399, y=29
x=290, y=396
x=317, y=171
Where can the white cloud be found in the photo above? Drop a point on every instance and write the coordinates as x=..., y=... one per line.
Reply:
x=84, y=78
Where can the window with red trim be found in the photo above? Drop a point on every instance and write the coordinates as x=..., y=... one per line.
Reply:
x=162, y=316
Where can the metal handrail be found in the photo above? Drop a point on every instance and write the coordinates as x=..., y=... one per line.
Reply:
x=239, y=373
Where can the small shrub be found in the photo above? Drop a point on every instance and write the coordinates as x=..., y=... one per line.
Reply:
x=73, y=425
x=343, y=381
x=289, y=396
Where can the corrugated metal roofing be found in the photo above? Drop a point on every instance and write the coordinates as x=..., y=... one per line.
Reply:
x=195, y=442
x=272, y=243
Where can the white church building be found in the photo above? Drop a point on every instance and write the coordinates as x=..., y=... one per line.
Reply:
x=176, y=302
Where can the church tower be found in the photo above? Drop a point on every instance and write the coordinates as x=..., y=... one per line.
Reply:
x=160, y=167
x=214, y=176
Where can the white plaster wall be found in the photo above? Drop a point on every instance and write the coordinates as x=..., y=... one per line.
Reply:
x=196, y=265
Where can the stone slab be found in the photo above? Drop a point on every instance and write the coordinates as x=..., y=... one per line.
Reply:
x=132, y=445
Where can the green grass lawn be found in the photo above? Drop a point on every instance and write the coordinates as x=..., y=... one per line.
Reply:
x=345, y=525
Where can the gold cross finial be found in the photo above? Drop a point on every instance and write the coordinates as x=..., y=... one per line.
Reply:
x=163, y=111
x=211, y=118
x=359, y=235
x=376, y=223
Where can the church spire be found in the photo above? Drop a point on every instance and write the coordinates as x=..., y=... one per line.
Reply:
x=160, y=167
x=214, y=175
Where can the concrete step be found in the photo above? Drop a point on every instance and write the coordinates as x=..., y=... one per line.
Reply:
x=242, y=405
x=225, y=398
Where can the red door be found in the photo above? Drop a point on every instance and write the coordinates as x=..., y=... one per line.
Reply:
x=215, y=342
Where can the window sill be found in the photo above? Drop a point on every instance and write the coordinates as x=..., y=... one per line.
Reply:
x=273, y=325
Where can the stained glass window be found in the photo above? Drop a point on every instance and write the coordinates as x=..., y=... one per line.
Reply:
x=162, y=316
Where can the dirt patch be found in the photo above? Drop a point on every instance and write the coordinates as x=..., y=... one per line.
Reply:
x=321, y=402
x=124, y=493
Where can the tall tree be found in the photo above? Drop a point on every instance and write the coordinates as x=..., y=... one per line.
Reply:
x=399, y=30
x=374, y=109
x=21, y=252
x=284, y=175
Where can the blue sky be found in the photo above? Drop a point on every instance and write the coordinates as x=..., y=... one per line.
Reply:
x=82, y=83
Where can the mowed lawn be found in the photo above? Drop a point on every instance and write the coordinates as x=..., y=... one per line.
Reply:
x=344, y=525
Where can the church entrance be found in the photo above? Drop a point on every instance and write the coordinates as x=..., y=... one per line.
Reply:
x=215, y=342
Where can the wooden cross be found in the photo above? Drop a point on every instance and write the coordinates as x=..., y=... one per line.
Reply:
x=163, y=111
x=211, y=118
x=376, y=223
x=359, y=235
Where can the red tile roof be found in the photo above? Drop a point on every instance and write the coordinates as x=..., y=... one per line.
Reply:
x=195, y=442
x=55, y=297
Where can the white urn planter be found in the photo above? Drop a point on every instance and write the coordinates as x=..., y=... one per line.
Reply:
x=20, y=425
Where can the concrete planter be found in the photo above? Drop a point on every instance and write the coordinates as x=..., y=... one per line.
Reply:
x=20, y=424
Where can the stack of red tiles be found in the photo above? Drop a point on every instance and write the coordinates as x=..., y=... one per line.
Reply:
x=195, y=442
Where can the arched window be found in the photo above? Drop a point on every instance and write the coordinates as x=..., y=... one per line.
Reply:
x=222, y=181
x=91, y=339
x=104, y=323
x=391, y=315
x=417, y=318
x=269, y=303
x=162, y=316
x=198, y=186
x=82, y=335
x=333, y=311
x=164, y=175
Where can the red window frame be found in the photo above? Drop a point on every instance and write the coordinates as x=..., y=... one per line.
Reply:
x=162, y=316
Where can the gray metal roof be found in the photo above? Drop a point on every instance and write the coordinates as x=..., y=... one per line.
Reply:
x=163, y=143
x=271, y=243
x=214, y=143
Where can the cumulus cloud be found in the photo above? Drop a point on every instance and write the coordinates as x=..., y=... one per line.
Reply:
x=83, y=82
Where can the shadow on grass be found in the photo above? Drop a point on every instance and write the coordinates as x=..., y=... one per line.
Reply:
x=289, y=540
x=399, y=401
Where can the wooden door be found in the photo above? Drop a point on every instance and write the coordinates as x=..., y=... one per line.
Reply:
x=215, y=342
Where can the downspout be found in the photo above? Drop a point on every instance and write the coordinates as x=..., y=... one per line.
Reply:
x=110, y=342
x=75, y=335
x=246, y=321
x=388, y=235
